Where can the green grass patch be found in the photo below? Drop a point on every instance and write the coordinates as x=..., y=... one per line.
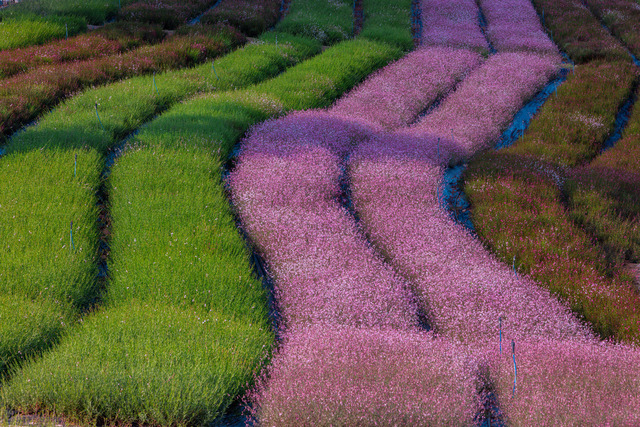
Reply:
x=95, y=12
x=21, y=32
x=147, y=363
x=328, y=21
x=41, y=195
x=25, y=325
x=174, y=237
x=388, y=22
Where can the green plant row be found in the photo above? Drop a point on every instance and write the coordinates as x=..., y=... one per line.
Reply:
x=94, y=12
x=577, y=32
x=328, y=21
x=388, y=22
x=113, y=38
x=44, y=188
x=603, y=195
x=573, y=124
x=622, y=17
x=24, y=97
x=172, y=227
x=21, y=31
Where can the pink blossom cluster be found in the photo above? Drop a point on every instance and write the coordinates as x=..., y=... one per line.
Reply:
x=286, y=189
x=513, y=25
x=350, y=320
x=345, y=376
x=452, y=23
x=476, y=113
x=464, y=287
x=399, y=92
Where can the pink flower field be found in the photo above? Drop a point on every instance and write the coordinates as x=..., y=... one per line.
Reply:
x=269, y=239
x=356, y=287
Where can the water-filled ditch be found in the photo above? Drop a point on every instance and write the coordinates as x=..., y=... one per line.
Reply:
x=197, y=19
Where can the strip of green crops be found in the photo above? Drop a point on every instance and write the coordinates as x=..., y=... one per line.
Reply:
x=328, y=21
x=603, y=195
x=28, y=31
x=573, y=125
x=42, y=191
x=622, y=17
x=23, y=98
x=388, y=22
x=168, y=206
x=95, y=12
x=519, y=195
x=172, y=227
x=577, y=32
x=518, y=210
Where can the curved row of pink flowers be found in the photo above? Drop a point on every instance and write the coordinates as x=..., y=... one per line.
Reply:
x=473, y=117
x=340, y=302
x=453, y=24
x=514, y=26
x=286, y=189
x=395, y=95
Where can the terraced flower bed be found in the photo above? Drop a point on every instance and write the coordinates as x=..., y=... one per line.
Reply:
x=109, y=40
x=138, y=219
x=24, y=97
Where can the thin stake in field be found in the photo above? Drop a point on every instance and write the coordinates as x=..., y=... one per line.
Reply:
x=72, y=246
x=515, y=367
x=213, y=67
x=154, y=83
x=500, y=322
x=99, y=121
x=66, y=31
x=75, y=165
